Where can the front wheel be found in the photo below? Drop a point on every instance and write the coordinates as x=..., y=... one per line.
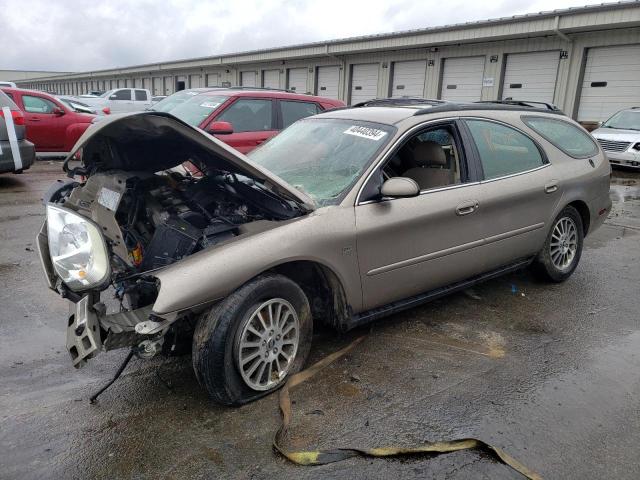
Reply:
x=561, y=252
x=250, y=343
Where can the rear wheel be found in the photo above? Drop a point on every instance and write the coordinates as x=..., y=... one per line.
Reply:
x=562, y=250
x=250, y=343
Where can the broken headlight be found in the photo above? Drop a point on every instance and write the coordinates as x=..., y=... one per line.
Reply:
x=77, y=248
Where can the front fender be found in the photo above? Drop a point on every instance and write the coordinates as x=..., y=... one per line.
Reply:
x=73, y=133
x=326, y=236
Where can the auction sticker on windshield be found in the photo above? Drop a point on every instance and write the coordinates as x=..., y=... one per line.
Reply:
x=210, y=104
x=366, y=132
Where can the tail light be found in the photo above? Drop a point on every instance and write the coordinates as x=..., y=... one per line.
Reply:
x=106, y=110
x=18, y=117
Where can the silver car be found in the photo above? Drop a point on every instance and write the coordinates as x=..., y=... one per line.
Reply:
x=341, y=219
x=620, y=138
x=17, y=154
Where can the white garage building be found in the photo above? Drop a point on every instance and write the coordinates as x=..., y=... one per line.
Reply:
x=585, y=60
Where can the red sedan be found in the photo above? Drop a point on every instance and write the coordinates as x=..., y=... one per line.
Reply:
x=52, y=127
x=242, y=117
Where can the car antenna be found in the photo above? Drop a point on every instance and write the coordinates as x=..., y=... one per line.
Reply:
x=93, y=399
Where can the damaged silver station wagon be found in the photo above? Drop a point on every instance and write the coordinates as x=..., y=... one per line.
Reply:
x=342, y=218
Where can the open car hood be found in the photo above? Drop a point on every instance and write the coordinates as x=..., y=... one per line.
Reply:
x=155, y=141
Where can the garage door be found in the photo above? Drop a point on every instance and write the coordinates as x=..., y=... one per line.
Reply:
x=611, y=82
x=157, y=86
x=409, y=79
x=462, y=79
x=271, y=79
x=531, y=76
x=194, y=81
x=328, y=82
x=169, y=86
x=364, y=82
x=297, y=80
x=248, y=79
x=213, y=79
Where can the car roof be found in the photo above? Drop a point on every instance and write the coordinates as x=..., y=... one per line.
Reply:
x=266, y=93
x=393, y=111
x=24, y=90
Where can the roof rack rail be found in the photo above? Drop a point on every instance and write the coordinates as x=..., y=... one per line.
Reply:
x=398, y=102
x=522, y=103
x=240, y=87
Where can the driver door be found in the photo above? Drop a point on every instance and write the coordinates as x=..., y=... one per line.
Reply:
x=407, y=246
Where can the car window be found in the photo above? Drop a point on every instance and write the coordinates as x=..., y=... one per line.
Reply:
x=196, y=109
x=121, y=95
x=565, y=136
x=294, y=111
x=323, y=157
x=141, y=96
x=37, y=104
x=6, y=100
x=626, y=120
x=431, y=157
x=503, y=150
x=249, y=115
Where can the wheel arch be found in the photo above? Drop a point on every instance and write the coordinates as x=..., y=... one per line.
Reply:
x=323, y=288
x=585, y=215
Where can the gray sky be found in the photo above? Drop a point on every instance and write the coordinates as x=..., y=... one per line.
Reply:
x=82, y=35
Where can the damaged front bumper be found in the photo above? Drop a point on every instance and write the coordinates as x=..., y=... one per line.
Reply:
x=90, y=331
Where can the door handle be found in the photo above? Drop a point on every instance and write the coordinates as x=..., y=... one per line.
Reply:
x=551, y=187
x=466, y=208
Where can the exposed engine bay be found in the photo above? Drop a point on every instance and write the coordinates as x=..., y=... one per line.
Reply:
x=153, y=220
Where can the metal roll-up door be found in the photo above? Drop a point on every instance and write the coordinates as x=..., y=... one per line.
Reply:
x=328, y=82
x=248, y=79
x=611, y=82
x=157, y=86
x=364, y=82
x=297, y=80
x=213, y=79
x=409, y=79
x=531, y=76
x=271, y=79
x=169, y=86
x=194, y=81
x=462, y=79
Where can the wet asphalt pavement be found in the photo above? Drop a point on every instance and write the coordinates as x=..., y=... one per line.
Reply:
x=550, y=373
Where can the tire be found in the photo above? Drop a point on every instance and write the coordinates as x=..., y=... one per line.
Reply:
x=220, y=333
x=552, y=264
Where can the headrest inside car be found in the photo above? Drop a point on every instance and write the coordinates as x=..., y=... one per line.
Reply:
x=428, y=154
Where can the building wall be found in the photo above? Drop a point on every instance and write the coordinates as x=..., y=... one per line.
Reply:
x=572, y=34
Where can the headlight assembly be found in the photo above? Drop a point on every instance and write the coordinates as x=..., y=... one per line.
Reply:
x=78, y=252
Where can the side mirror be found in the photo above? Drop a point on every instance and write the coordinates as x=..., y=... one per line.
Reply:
x=220, y=128
x=400, y=187
x=58, y=112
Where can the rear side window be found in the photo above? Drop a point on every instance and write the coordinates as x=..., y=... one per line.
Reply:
x=141, y=96
x=249, y=115
x=565, y=136
x=294, y=111
x=37, y=104
x=6, y=100
x=503, y=150
x=121, y=95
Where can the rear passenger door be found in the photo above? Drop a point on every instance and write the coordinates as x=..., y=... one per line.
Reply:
x=121, y=101
x=253, y=120
x=141, y=100
x=518, y=194
x=290, y=111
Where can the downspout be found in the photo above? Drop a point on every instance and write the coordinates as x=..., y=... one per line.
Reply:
x=558, y=32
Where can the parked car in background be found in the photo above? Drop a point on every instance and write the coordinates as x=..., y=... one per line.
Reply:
x=52, y=126
x=245, y=118
x=157, y=98
x=341, y=219
x=620, y=138
x=120, y=100
x=16, y=153
x=78, y=106
x=7, y=84
x=170, y=102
